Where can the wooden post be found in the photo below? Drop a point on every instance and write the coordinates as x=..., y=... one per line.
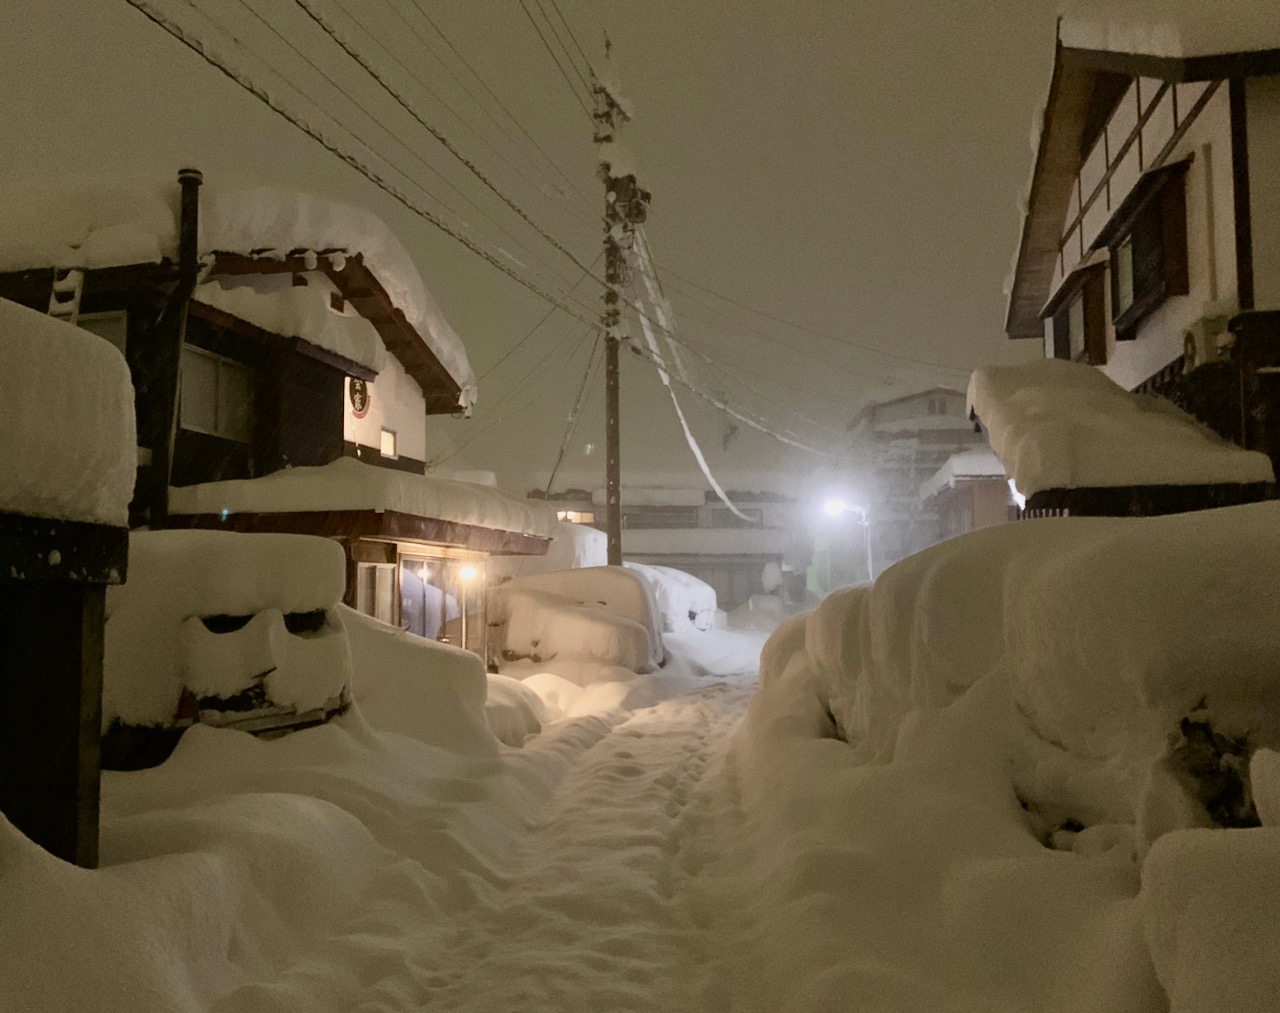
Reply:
x=52, y=592
x=625, y=206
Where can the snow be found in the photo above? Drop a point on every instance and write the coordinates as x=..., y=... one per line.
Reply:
x=101, y=221
x=155, y=643
x=705, y=541
x=275, y=304
x=348, y=484
x=686, y=603
x=1170, y=28
x=574, y=545
x=68, y=450
x=968, y=464
x=1064, y=425
x=602, y=614
x=939, y=797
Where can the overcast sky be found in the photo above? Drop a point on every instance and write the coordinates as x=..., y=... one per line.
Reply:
x=851, y=167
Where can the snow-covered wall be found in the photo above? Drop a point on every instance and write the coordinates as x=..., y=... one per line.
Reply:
x=1262, y=98
x=1170, y=28
x=395, y=402
x=68, y=443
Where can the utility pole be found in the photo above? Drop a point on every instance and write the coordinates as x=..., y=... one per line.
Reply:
x=626, y=205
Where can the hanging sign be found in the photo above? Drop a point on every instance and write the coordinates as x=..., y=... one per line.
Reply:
x=360, y=395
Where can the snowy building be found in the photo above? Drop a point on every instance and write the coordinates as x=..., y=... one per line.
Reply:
x=903, y=443
x=272, y=334
x=970, y=491
x=690, y=529
x=1150, y=248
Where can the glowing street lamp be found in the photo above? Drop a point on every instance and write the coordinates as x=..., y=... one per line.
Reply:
x=466, y=574
x=836, y=508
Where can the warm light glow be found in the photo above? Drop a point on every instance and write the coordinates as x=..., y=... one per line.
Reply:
x=467, y=573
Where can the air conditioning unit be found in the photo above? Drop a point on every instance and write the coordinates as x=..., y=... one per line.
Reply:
x=1207, y=340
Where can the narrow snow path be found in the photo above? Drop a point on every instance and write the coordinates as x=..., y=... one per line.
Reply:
x=594, y=915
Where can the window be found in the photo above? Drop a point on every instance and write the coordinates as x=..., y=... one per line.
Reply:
x=576, y=516
x=113, y=326
x=1147, y=238
x=388, y=444
x=1080, y=317
x=217, y=395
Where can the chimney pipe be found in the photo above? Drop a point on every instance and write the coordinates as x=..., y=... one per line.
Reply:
x=188, y=228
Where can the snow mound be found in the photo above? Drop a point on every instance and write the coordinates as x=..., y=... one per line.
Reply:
x=348, y=484
x=68, y=449
x=156, y=644
x=613, y=607
x=402, y=683
x=513, y=710
x=573, y=546
x=1104, y=636
x=686, y=603
x=1064, y=425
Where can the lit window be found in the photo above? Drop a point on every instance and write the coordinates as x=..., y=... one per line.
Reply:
x=576, y=516
x=217, y=395
x=388, y=445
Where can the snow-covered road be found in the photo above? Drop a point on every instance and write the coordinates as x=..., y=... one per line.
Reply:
x=597, y=911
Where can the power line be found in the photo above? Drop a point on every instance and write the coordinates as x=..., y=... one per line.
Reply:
x=351, y=51
x=148, y=10
x=565, y=49
x=550, y=52
x=572, y=37
x=575, y=412
x=501, y=105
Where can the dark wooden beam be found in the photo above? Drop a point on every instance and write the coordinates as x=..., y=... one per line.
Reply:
x=388, y=525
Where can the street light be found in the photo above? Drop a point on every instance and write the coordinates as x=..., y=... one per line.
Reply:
x=466, y=574
x=836, y=508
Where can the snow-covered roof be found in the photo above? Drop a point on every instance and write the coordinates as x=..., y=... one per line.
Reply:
x=104, y=222
x=68, y=443
x=301, y=311
x=1064, y=425
x=1171, y=28
x=633, y=495
x=348, y=484
x=968, y=465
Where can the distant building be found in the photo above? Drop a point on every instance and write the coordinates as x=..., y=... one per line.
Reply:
x=970, y=491
x=904, y=442
x=690, y=529
x=1151, y=243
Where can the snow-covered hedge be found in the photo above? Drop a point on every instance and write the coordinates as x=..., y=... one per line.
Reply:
x=67, y=438
x=686, y=603
x=1103, y=634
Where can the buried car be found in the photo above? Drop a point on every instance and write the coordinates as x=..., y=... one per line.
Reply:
x=230, y=630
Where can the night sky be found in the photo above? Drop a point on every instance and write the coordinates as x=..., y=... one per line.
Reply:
x=850, y=167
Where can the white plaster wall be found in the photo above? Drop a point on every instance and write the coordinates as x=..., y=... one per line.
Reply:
x=1211, y=252
x=1262, y=97
x=395, y=403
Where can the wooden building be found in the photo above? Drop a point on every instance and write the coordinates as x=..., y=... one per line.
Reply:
x=251, y=359
x=1151, y=243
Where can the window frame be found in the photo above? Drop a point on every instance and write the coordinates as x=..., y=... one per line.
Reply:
x=222, y=363
x=1084, y=289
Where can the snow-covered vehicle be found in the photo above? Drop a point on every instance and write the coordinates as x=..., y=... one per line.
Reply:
x=230, y=630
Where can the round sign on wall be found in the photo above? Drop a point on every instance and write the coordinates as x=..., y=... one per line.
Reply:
x=360, y=395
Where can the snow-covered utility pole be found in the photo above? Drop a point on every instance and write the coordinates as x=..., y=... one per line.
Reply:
x=626, y=205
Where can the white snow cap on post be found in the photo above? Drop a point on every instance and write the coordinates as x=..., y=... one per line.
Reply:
x=1064, y=425
x=68, y=449
x=1171, y=28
